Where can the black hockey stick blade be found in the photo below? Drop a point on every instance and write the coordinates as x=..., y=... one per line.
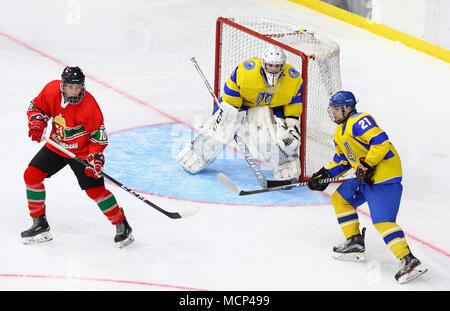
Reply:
x=276, y=183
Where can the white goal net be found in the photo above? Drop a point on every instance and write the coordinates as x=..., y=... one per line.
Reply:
x=313, y=55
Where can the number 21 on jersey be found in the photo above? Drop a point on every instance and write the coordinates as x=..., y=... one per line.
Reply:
x=364, y=123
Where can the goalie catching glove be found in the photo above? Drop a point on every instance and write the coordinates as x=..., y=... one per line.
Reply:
x=315, y=184
x=288, y=134
x=96, y=162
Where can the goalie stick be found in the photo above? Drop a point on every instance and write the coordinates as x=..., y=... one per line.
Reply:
x=240, y=142
x=227, y=182
x=174, y=215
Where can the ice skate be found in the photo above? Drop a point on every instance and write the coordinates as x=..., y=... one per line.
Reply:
x=39, y=232
x=123, y=234
x=352, y=249
x=411, y=268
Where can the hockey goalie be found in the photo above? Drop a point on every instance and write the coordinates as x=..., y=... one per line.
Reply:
x=262, y=103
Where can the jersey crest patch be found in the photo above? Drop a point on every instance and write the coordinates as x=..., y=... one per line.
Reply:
x=350, y=153
x=264, y=99
x=249, y=64
x=60, y=125
x=293, y=73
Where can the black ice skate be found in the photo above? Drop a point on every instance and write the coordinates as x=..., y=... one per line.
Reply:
x=123, y=234
x=411, y=268
x=352, y=249
x=39, y=231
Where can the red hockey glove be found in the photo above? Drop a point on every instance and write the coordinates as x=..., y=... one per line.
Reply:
x=37, y=125
x=364, y=172
x=96, y=161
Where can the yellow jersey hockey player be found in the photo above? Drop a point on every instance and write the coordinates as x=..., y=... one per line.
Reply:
x=365, y=147
x=262, y=103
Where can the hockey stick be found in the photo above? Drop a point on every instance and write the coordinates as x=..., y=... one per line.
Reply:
x=240, y=142
x=227, y=182
x=251, y=162
x=263, y=181
x=173, y=215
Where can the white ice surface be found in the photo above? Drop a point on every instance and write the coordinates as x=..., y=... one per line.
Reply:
x=136, y=55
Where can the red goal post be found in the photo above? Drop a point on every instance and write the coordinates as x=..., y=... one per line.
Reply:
x=316, y=57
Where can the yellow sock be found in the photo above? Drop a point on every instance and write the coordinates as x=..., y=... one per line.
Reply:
x=394, y=238
x=346, y=215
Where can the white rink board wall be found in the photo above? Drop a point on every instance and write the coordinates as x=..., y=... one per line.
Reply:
x=428, y=20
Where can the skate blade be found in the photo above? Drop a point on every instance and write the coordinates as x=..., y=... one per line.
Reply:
x=349, y=256
x=125, y=242
x=415, y=273
x=40, y=238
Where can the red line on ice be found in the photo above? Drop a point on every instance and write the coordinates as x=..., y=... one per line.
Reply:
x=65, y=277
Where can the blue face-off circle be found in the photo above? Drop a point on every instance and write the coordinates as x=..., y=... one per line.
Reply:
x=143, y=159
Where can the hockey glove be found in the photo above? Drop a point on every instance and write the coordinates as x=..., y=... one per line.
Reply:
x=96, y=162
x=364, y=172
x=288, y=134
x=36, y=127
x=315, y=184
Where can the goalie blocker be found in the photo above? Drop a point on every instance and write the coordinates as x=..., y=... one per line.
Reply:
x=272, y=139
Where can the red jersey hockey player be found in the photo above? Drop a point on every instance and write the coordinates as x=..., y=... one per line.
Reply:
x=77, y=126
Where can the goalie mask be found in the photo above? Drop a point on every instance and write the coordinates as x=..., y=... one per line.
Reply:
x=337, y=108
x=72, y=86
x=273, y=61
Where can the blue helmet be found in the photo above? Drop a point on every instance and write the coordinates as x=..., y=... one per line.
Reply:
x=343, y=99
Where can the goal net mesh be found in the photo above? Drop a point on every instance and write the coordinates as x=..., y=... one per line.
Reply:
x=313, y=55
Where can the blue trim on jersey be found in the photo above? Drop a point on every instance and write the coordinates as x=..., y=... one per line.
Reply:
x=296, y=100
x=338, y=158
x=230, y=92
x=301, y=88
x=279, y=112
x=234, y=75
x=367, y=146
x=390, y=181
x=389, y=155
x=379, y=139
x=261, y=71
x=339, y=169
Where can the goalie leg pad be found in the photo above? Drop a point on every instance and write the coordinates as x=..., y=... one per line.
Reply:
x=199, y=153
x=218, y=131
x=288, y=170
x=223, y=124
x=259, y=135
